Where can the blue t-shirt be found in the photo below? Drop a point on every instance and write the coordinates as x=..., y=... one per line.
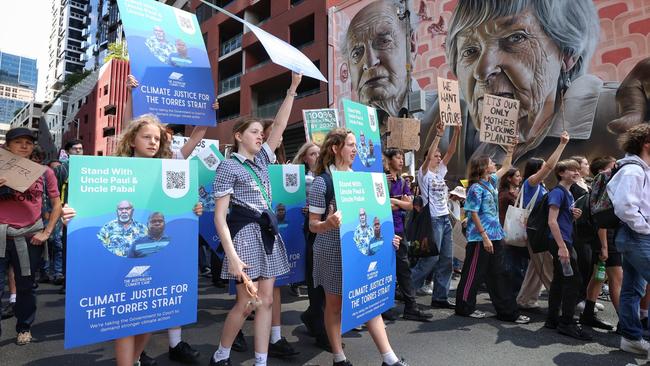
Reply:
x=482, y=198
x=563, y=199
x=529, y=192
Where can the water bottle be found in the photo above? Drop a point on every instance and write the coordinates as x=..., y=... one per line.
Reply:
x=600, y=273
x=566, y=268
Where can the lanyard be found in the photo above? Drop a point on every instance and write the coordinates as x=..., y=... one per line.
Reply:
x=259, y=183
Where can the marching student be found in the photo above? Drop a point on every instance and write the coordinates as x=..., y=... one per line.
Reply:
x=144, y=137
x=484, y=251
x=22, y=233
x=337, y=154
x=255, y=254
x=566, y=273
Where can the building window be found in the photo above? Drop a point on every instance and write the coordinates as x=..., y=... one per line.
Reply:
x=301, y=33
x=106, y=89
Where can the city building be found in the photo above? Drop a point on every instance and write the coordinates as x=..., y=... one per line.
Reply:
x=4, y=127
x=246, y=81
x=18, y=81
x=68, y=42
x=95, y=113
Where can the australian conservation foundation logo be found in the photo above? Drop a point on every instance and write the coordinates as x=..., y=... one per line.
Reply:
x=137, y=276
x=372, y=270
x=176, y=79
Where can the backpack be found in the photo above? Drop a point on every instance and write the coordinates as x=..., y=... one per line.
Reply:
x=537, y=225
x=601, y=207
x=329, y=196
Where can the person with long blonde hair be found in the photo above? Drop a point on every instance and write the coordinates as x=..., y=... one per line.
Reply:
x=144, y=137
x=337, y=154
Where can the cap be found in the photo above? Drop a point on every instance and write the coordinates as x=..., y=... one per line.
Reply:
x=17, y=132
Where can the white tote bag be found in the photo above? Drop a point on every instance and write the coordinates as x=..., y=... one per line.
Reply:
x=515, y=223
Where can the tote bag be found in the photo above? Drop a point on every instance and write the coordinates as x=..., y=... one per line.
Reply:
x=515, y=222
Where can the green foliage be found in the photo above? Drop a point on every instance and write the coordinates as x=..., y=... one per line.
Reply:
x=117, y=51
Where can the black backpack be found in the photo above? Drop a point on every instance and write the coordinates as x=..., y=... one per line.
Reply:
x=537, y=226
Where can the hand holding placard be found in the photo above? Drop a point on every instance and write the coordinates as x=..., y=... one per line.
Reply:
x=499, y=120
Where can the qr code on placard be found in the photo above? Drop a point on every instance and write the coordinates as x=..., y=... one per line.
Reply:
x=291, y=180
x=175, y=180
x=379, y=190
x=210, y=161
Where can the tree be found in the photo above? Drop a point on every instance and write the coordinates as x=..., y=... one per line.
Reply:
x=117, y=50
x=74, y=78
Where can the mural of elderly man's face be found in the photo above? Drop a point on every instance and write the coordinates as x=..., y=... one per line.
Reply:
x=376, y=49
x=511, y=57
x=124, y=212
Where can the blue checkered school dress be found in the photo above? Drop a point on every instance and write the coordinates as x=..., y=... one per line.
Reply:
x=328, y=265
x=234, y=180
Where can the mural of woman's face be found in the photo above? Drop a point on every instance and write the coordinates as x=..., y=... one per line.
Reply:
x=511, y=57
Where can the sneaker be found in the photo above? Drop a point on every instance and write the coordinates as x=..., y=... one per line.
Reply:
x=184, y=353
x=573, y=330
x=551, y=323
x=417, y=315
x=390, y=315
x=595, y=322
x=443, y=304
x=342, y=363
x=206, y=272
x=24, y=338
x=282, y=349
x=58, y=280
x=225, y=362
x=640, y=347
x=522, y=319
x=8, y=311
x=145, y=360
x=426, y=289
x=239, y=345
x=477, y=314
x=401, y=362
x=599, y=306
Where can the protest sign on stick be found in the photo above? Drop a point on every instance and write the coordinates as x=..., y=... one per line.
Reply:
x=449, y=100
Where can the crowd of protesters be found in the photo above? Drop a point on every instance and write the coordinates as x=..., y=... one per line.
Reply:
x=582, y=258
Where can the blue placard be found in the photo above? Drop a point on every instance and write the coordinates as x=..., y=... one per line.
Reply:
x=168, y=58
x=366, y=246
x=132, y=248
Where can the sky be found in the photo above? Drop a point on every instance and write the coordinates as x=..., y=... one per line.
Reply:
x=25, y=31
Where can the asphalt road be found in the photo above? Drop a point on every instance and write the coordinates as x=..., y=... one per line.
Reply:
x=447, y=340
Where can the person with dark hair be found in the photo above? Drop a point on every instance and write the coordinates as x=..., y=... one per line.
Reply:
x=540, y=266
x=401, y=202
x=484, y=251
x=22, y=232
x=629, y=192
x=154, y=241
x=431, y=178
x=516, y=258
x=566, y=282
x=603, y=249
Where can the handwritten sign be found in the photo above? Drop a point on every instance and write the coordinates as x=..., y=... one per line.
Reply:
x=20, y=173
x=449, y=102
x=404, y=133
x=499, y=120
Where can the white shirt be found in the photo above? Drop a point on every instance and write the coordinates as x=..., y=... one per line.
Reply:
x=434, y=190
x=629, y=191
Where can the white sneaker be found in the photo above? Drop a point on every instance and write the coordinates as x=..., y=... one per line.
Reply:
x=426, y=289
x=600, y=306
x=640, y=347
